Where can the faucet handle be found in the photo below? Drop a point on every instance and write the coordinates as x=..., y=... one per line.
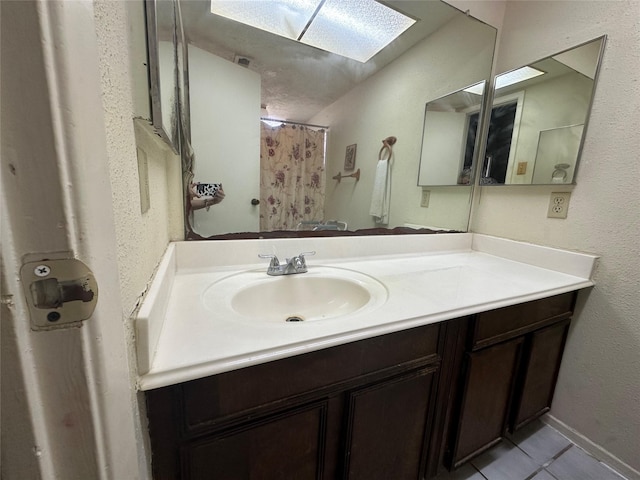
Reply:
x=303, y=263
x=274, y=260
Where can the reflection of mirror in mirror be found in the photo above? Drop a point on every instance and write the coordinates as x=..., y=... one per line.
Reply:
x=182, y=65
x=161, y=30
x=539, y=117
x=449, y=138
x=238, y=74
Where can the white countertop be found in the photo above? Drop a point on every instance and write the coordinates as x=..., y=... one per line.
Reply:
x=428, y=278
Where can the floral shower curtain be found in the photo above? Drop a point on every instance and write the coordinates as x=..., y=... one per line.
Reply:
x=292, y=177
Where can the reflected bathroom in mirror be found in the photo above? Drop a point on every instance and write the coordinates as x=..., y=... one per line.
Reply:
x=539, y=117
x=449, y=138
x=320, y=103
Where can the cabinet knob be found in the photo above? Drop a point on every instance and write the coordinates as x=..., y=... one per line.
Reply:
x=255, y=201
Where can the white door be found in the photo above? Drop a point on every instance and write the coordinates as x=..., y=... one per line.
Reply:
x=67, y=398
x=225, y=136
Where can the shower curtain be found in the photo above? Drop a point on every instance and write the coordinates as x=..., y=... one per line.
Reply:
x=292, y=176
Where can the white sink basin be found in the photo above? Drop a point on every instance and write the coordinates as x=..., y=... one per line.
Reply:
x=321, y=293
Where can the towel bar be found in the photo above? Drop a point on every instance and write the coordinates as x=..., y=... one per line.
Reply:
x=355, y=175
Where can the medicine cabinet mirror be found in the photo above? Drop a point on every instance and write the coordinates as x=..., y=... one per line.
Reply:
x=539, y=118
x=449, y=137
x=239, y=74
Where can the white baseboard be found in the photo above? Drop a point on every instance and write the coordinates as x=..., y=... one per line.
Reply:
x=593, y=449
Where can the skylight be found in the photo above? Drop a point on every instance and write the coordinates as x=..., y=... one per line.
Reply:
x=517, y=76
x=357, y=29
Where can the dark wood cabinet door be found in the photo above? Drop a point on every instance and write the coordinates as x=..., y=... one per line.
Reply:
x=386, y=425
x=488, y=387
x=285, y=446
x=543, y=356
x=288, y=419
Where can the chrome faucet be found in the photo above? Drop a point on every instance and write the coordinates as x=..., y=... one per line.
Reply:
x=292, y=265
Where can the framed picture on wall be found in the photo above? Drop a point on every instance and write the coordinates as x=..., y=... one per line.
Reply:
x=350, y=157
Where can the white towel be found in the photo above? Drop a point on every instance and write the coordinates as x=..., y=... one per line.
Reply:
x=381, y=193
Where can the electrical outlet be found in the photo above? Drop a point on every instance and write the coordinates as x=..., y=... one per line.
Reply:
x=424, y=200
x=558, y=205
x=522, y=168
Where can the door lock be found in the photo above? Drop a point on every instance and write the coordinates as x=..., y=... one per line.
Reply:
x=60, y=290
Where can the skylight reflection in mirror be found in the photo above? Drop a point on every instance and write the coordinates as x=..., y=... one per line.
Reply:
x=509, y=78
x=517, y=76
x=286, y=18
x=477, y=89
x=357, y=29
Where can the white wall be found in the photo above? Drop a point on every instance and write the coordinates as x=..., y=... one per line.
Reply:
x=598, y=392
x=487, y=11
x=382, y=106
x=225, y=136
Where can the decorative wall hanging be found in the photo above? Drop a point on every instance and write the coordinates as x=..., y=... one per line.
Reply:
x=350, y=157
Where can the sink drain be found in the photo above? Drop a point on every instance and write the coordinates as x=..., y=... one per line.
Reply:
x=294, y=319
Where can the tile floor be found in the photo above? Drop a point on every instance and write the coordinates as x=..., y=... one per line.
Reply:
x=535, y=452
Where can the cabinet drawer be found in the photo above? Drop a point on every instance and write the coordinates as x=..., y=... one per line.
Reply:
x=214, y=399
x=504, y=323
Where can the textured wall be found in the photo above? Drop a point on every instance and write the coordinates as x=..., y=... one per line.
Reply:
x=598, y=392
x=142, y=238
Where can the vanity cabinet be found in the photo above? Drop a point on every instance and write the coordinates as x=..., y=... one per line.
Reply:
x=361, y=410
x=509, y=371
x=402, y=405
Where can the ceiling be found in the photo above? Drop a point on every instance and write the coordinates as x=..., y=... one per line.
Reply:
x=298, y=81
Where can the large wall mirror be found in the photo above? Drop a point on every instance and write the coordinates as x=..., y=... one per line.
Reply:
x=539, y=117
x=254, y=94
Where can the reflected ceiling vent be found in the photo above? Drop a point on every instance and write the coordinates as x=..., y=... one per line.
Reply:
x=242, y=60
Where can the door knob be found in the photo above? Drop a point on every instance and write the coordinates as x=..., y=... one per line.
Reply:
x=255, y=201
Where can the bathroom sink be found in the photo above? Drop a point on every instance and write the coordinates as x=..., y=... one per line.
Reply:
x=321, y=293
